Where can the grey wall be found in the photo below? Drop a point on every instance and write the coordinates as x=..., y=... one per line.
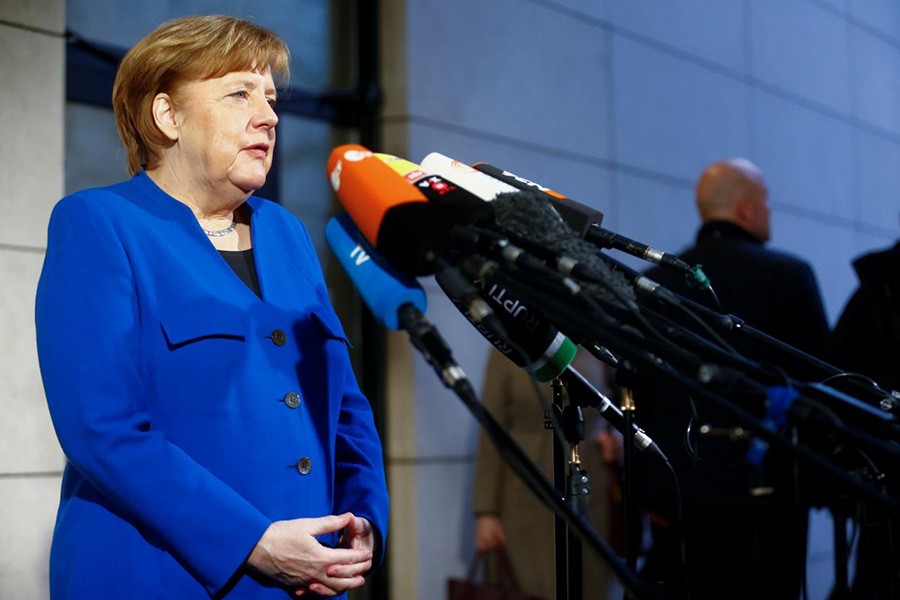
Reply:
x=31, y=169
x=620, y=104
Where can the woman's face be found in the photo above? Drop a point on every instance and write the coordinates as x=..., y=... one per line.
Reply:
x=226, y=130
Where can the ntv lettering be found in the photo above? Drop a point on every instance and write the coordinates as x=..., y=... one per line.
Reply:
x=526, y=182
x=359, y=255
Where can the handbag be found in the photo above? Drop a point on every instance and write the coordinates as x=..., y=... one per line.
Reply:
x=471, y=588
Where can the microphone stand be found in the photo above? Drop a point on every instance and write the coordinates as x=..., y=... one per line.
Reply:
x=569, y=476
x=624, y=375
x=703, y=375
x=817, y=405
x=431, y=345
x=559, y=479
x=805, y=366
x=715, y=370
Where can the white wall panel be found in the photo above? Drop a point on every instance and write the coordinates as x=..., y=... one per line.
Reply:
x=27, y=516
x=48, y=15
x=512, y=69
x=709, y=29
x=804, y=156
x=32, y=123
x=672, y=116
x=882, y=16
x=877, y=76
x=876, y=201
x=27, y=440
x=803, y=49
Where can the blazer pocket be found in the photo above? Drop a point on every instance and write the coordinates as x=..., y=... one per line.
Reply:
x=330, y=327
x=183, y=325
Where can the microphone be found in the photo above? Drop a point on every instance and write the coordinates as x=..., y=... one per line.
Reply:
x=455, y=204
x=468, y=196
x=480, y=184
x=528, y=216
x=586, y=221
x=487, y=182
x=584, y=394
x=533, y=342
x=469, y=216
x=396, y=300
x=540, y=349
x=395, y=217
x=385, y=291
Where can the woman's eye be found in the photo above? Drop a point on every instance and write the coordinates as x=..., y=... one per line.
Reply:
x=241, y=94
x=271, y=102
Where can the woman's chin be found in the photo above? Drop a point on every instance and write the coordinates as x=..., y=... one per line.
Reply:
x=249, y=183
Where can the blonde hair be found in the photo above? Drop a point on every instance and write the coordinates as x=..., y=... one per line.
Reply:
x=185, y=49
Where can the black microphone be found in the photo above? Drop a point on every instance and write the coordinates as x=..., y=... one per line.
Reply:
x=586, y=221
x=580, y=388
x=528, y=218
x=530, y=341
x=544, y=351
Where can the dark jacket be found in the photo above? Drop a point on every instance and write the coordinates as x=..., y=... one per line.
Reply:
x=745, y=533
x=772, y=291
x=866, y=338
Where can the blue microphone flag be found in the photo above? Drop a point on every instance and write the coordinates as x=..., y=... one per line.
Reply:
x=384, y=289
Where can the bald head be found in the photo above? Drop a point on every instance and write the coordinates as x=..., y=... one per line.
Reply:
x=734, y=190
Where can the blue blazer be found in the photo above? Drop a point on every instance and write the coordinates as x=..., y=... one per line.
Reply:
x=192, y=412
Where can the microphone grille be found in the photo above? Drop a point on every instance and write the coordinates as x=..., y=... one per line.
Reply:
x=528, y=216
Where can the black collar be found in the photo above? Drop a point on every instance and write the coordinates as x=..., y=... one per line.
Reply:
x=717, y=230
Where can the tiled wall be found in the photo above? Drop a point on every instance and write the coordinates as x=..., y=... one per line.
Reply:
x=620, y=104
x=31, y=169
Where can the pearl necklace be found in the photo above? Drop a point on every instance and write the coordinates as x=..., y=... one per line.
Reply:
x=220, y=232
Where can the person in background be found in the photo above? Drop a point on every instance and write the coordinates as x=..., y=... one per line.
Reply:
x=197, y=376
x=744, y=527
x=866, y=338
x=507, y=514
x=866, y=341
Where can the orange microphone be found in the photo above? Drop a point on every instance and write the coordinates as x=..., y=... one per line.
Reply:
x=394, y=216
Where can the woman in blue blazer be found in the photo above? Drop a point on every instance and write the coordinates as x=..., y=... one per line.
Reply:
x=197, y=375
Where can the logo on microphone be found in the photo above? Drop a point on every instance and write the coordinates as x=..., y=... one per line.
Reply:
x=437, y=184
x=335, y=176
x=357, y=155
x=359, y=255
x=526, y=182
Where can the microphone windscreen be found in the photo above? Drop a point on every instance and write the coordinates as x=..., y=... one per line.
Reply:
x=382, y=288
x=578, y=216
x=526, y=215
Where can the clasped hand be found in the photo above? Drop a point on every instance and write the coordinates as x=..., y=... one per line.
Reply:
x=289, y=552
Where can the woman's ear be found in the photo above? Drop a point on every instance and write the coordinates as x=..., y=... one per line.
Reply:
x=164, y=116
